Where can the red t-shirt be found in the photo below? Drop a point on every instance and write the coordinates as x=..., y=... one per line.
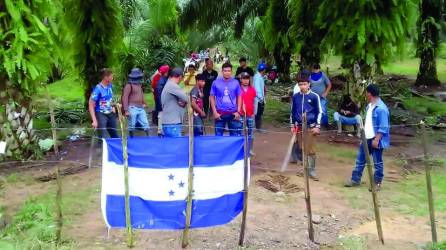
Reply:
x=248, y=97
x=155, y=81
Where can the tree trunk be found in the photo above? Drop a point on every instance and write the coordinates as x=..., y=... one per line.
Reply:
x=428, y=40
x=310, y=54
x=283, y=62
x=427, y=73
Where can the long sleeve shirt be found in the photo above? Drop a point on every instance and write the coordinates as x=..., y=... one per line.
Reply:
x=309, y=103
x=259, y=85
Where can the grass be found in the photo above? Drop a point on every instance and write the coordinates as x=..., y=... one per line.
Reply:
x=352, y=243
x=409, y=67
x=408, y=196
x=338, y=153
x=276, y=111
x=438, y=246
x=33, y=226
x=427, y=106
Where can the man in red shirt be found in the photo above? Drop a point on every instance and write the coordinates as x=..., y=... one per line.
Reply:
x=248, y=97
x=162, y=71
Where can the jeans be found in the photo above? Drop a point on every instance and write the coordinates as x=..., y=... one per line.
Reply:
x=172, y=130
x=324, y=120
x=234, y=126
x=346, y=120
x=259, y=114
x=106, y=122
x=138, y=115
x=377, y=154
x=198, y=126
x=249, y=124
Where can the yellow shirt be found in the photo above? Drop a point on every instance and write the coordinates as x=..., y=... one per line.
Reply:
x=189, y=81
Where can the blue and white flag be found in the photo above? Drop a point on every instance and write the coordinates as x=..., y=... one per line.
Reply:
x=158, y=181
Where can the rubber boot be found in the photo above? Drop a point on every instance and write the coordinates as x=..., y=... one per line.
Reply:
x=132, y=134
x=339, y=127
x=312, y=167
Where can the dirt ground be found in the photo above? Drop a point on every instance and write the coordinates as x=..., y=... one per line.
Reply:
x=276, y=220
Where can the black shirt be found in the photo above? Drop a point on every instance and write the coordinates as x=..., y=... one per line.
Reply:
x=210, y=78
x=240, y=70
x=348, y=106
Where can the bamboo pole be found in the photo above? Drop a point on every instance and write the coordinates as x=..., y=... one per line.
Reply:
x=430, y=197
x=92, y=144
x=306, y=177
x=59, y=219
x=372, y=186
x=128, y=221
x=185, y=240
x=245, y=182
x=53, y=121
x=286, y=160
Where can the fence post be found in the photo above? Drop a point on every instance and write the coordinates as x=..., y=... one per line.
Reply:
x=59, y=218
x=245, y=182
x=430, y=197
x=53, y=121
x=185, y=240
x=128, y=221
x=372, y=182
x=306, y=177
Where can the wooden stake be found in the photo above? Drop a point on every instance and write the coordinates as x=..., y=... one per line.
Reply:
x=372, y=184
x=430, y=197
x=53, y=121
x=306, y=177
x=186, y=231
x=128, y=221
x=245, y=183
x=59, y=219
x=92, y=144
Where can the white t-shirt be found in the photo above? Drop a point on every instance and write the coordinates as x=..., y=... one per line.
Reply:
x=296, y=89
x=368, y=127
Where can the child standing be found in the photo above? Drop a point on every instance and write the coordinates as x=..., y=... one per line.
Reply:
x=307, y=102
x=248, y=98
x=196, y=98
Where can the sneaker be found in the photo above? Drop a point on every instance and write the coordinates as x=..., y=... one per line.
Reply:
x=377, y=187
x=314, y=177
x=351, y=184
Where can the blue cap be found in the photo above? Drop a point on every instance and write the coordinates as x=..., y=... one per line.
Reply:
x=261, y=67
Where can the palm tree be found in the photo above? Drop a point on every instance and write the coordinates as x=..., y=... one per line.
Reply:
x=96, y=32
x=428, y=40
x=304, y=28
x=25, y=49
x=365, y=32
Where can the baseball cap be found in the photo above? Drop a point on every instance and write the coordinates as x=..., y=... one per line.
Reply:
x=261, y=67
x=176, y=72
x=164, y=69
x=245, y=75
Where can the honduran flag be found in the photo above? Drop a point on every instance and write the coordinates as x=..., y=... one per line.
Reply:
x=158, y=181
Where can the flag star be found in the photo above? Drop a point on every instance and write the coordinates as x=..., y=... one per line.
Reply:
x=171, y=176
x=181, y=184
x=171, y=193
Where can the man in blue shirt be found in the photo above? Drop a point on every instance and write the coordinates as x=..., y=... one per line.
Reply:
x=259, y=85
x=377, y=133
x=103, y=114
x=226, y=102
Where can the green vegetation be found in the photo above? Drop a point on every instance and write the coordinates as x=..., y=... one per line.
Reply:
x=438, y=246
x=352, y=243
x=336, y=152
x=410, y=196
x=276, y=111
x=425, y=106
x=409, y=67
x=34, y=227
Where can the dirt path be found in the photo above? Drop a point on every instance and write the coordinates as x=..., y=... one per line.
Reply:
x=276, y=220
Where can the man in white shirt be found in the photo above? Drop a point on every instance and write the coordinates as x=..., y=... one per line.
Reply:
x=377, y=133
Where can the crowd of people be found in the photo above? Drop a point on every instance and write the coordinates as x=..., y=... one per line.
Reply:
x=230, y=99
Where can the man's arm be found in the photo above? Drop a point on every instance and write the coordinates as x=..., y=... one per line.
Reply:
x=125, y=98
x=195, y=107
x=91, y=108
x=328, y=88
x=179, y=93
